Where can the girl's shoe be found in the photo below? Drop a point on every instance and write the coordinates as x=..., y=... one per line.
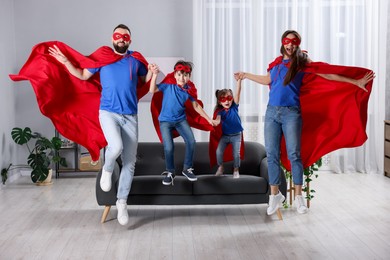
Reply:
x=219, y=171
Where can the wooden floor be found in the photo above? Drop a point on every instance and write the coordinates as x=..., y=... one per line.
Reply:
x=349, y=218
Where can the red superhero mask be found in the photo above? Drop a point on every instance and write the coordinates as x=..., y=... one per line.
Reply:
x=184, y=68
x=294, y=41
x=117, y=36
x=226, y=98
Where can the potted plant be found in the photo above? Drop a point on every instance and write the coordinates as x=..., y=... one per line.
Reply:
x=308, y=173
x=41, y=155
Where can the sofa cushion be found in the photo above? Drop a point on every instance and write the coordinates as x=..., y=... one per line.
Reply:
x=152, y=185
x=246, y=184
x=150, y=159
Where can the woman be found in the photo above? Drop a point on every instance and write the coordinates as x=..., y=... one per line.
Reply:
x=283, y=115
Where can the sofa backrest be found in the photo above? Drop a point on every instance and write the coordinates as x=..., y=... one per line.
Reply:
x=150, y=159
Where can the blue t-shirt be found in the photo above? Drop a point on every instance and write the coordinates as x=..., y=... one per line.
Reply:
x=230, y=120
x=284, y=95
x=119, y=85
x=173, y=109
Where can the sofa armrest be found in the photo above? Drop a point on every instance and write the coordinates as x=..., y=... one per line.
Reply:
x=107, y=198
x=264, y=169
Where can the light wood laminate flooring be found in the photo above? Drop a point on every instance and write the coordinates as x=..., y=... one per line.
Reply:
x=349, y=218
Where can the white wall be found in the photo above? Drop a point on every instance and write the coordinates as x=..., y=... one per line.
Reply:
x=159, y=29
x=7, y=60
x=387, y=115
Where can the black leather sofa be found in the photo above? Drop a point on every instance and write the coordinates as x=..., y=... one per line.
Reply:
x=251, y=188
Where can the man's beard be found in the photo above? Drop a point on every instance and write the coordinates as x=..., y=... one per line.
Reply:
x=121, y=49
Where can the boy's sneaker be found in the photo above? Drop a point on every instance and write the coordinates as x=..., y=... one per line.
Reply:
x=190, y=174
x=123, y=215
x=105, y=180
x=274, y=203
x=168, y=179
x=219, y=171
x=300, y=204
x=236, y=174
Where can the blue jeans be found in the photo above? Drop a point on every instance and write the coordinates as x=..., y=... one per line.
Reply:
x=286, y=121
x=235, y=140
x=121, y=133
x=185, y=131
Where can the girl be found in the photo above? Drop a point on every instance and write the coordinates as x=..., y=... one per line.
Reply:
x=226, y=112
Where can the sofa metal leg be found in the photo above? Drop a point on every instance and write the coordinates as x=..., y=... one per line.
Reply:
x=105, y=213
x=280, y=217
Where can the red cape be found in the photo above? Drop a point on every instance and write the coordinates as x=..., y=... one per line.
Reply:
x=194, y=119
x=334, y=114
x=215, y=136
x=71, y=104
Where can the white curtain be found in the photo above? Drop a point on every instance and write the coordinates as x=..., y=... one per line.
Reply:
x=232, y=35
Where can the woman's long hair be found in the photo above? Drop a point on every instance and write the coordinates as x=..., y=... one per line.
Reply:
x=298, y=59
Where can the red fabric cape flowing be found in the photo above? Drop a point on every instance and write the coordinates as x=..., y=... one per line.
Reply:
x=334, y=114
x=215, y=136
x=193, y=118
x=70, y=103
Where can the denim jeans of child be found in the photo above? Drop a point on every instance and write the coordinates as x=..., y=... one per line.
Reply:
x=121, y=133
x=183, y=128
x=235, y=140
x=286, y=121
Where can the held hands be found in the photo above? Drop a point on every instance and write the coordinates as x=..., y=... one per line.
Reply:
x=56, y=53
x=153, y=68
x=361, y=83
x=215, y=122
x=239, y=75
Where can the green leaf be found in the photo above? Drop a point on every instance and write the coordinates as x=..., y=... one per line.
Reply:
x=38, y=160
x=21, y=136
x=57, y=143
x=39, y=174
x=42, y=144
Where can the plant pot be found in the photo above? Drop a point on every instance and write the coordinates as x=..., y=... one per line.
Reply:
x=48, y=180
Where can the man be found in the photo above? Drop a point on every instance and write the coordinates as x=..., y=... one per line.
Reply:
x=117, y=111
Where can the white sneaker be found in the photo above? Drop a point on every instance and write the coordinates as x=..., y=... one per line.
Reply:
x=219, y=171
x=123, y=215
x=300, y=204
x=274, y=203
x=236, y=174
x=105, y=180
